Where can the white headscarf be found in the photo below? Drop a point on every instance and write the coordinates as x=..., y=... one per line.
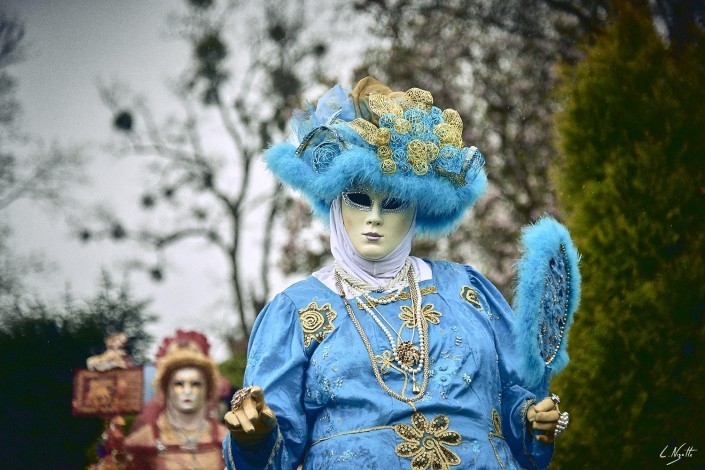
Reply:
x=373, y=272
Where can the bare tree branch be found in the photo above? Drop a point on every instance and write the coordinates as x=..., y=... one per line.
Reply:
x=184, y=166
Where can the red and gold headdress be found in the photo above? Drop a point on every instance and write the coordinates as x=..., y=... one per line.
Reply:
x=185, y=349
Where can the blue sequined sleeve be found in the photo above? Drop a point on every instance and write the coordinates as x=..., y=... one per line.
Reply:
x=515, y=400
x=276, y=361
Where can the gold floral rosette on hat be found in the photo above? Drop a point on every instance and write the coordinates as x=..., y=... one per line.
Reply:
x=405, y=126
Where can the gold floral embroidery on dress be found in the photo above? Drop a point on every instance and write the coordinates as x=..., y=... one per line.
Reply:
x=316, y=322
x=428, y=310
x=425, y=442
x=385, y=361
x=469, y=294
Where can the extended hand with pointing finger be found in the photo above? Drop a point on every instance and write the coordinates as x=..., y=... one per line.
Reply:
x=250, y=420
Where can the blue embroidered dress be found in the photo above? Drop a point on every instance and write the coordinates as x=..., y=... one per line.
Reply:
x=313, y=365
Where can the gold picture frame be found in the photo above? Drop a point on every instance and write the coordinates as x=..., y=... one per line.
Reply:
x=107, y=393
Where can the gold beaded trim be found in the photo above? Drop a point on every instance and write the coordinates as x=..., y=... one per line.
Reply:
x=355, y=431
x=401, y=296
x=559, y=339
x=525, y=408
x=496, y=432
x=424, y=441
x=270, y=461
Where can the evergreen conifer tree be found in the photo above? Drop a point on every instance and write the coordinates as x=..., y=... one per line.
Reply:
x=632, y=182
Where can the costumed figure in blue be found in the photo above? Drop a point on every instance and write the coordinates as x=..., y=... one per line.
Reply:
x=387, y=361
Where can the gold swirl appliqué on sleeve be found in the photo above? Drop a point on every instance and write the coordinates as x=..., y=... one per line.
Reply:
x=316, y=322
x=469, y=294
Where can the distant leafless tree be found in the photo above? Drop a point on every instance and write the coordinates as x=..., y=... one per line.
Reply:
x=29, y=168
x=238, y=90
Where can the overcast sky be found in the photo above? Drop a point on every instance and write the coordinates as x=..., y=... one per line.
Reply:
x=71, y=44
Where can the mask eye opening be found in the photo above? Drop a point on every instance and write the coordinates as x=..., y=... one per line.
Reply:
x=358, y=200
x=393, y=204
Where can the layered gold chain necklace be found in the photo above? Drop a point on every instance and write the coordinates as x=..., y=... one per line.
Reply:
x=410, y=358
x=190, y=438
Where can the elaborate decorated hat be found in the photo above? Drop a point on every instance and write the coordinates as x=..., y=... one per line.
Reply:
x=396, y=143
x=186, y=349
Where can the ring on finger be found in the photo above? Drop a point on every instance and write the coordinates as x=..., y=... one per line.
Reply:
x=239, y=397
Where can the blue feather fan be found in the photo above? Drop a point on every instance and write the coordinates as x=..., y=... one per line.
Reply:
x=546, y=297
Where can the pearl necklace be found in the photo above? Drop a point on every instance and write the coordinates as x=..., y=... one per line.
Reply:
x=387, y=299
x=406, y=354
x=362, y=286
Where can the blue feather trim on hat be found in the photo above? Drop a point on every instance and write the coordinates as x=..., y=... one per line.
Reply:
x=408, y=149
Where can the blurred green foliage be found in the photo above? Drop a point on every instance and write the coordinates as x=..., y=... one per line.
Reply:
x=633, y=185
x=233, y=369
x=41, y=345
